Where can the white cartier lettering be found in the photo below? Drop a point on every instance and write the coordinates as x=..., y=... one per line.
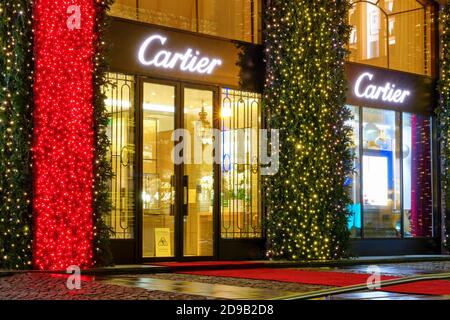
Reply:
x=189, y=61
x=388, y=92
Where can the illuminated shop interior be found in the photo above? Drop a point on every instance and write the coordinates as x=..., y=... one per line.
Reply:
x=194, y=208
x=237, y=19
x=392, y=183
x=239, y=119
x=391, y=186
x=393, y=34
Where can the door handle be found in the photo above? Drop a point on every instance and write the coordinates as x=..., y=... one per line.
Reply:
x=172, y=204
x=185, y=195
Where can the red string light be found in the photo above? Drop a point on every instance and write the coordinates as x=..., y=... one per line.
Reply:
x=64, y=139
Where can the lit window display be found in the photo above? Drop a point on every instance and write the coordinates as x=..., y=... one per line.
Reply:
x=198, y=174
x=381, y=173
x=240, y=205
x=158, y=193
x=240, y=196
x=393, y=197
x=120, y=105
x=417, y=183
x=354, y=221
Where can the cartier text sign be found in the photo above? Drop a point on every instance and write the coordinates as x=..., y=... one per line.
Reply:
x=388, y=89
x=364, y=88
x=152, y=53
x=176, y=55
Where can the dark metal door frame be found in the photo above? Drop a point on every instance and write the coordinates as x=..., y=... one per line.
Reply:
x=178, y=172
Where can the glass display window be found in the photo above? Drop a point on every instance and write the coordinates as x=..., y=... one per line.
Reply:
x=391, y=186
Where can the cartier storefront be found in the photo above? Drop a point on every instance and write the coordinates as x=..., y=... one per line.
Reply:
x=393, y=187
x=162, y=81
x=392, y=95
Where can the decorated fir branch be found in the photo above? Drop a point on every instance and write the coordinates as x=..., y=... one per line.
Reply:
x=443, y=114
x=307, y=201
x=16, y=136
x=102, y=166
x=16, y=127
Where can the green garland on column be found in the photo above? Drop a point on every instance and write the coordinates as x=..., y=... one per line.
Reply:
x=443, y=114
x=16, y=127
x=307, y=201
x=102, y=167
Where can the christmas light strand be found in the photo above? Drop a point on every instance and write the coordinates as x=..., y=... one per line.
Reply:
x=16, y=126
x=307, y=202
x=443, y=114
x=102, y=166
x=64, y=137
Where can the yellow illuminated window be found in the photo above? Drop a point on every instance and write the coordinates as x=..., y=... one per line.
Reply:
x=240, y=183
x=232, y=19
x=120, y=105
x=394, y=34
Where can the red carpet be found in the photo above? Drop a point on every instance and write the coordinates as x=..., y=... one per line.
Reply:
x=327, y=278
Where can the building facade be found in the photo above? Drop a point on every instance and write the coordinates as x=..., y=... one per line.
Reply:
x=198, y=66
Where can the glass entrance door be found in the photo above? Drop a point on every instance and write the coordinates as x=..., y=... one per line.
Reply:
x=177, y=201
x=198, y=170
x=158, y=170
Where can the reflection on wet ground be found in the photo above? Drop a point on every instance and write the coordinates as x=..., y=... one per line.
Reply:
x=399, y=269
x=219, y=291
x=403, y=269
x=236, y=288
x=165, y=286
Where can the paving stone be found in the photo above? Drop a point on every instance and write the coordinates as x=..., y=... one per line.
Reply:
x=238, y=282
x=40, y=286
x=33, y=286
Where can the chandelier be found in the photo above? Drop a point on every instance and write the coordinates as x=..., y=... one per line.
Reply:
x=204, y=130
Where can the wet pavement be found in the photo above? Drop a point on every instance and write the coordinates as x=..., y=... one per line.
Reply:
x=394, y=269
x=218, y=291
x=243, y=283
x=43, y=286
x=404, y=269
x=167, y=286
x=236, y=288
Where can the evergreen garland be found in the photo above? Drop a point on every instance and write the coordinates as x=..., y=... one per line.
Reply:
x=102, y=166
x=16, y=127
x=307, y=201
x=443, y=114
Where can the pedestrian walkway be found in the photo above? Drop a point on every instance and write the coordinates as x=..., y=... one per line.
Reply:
x=168, y=285
x=218, y=291
x=41, y=286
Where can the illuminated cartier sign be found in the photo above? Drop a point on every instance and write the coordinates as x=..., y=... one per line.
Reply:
x=151, y=53
x=388, y=92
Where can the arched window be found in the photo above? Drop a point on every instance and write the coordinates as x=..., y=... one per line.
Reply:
x=394, y=34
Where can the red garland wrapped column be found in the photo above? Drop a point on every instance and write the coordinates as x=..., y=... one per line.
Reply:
x=64, y=139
